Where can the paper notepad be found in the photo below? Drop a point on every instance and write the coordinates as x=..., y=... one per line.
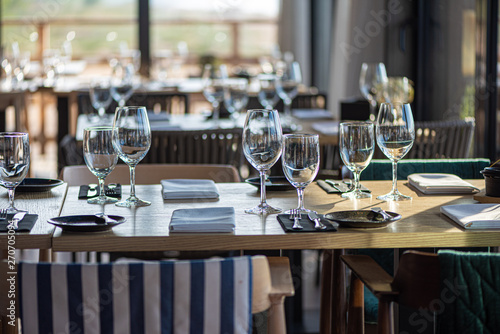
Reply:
x=433, y=183
x=474, y=216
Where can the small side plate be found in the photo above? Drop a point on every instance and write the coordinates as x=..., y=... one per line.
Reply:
x=37, y=184
x=273, y=183
x=86, y=223
x=361, y=218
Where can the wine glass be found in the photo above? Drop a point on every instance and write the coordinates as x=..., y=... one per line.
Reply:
x=235, y=97
x=14, y=162
x=373, y=84
x=132, y=140
x=268, y=96
x=262, y=145
x=395, y=135
x=122, y=86
x=100, y=95
x=288, y=80
x=100, y=157
x=400, y=89
x=213, y=87
x=357, y=143
x=300, y=161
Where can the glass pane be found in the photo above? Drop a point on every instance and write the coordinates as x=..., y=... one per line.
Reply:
x=257, y=39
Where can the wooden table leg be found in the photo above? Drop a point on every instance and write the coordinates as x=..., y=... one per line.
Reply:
x=45, y=255
x=333, y=296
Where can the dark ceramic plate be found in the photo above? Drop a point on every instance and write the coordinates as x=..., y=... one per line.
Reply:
x=37, y=185
x=361, y=218
x=88, y=223
x=273, y=183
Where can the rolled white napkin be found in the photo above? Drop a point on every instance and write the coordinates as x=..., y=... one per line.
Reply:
x=434, y=183
x=189, y=188
x=474, y=216
x=220, y=219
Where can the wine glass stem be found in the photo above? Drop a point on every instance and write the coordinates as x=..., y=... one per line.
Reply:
x=262, y=187
x=101, y=186
x=394, y=176
x=132, y=181
x=356, y=182
x=300, y=196
x=373, y=107
x=102, y=112
x=11, y=197
x=121, y=103
x=216, y=111
x=288, y=109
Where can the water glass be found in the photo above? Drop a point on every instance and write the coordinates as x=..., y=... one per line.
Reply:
x=100, y=157
x=357, y=143
x=300, y=161
x=14, y=162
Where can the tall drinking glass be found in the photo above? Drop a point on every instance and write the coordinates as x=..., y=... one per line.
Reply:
x=262, y=145
x=300, y=161
x=100, y=157
x=357, y=143
x=395, y=135
x=132, y=140
x=373, y=84
x=14, y=162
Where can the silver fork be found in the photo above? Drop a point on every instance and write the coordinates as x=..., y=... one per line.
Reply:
x=3, y=214
x=296, y=219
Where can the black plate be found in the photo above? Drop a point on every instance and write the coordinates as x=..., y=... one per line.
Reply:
x=87, y=223
x=361, y=218
x=277, y=183
x=37, y=185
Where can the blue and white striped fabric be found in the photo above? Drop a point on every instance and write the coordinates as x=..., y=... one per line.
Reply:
x=197, y=296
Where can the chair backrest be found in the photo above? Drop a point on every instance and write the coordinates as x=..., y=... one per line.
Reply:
x=152, y=173
x=442, y=139
x=202, y=296
x=214, y=146
x=381, y=169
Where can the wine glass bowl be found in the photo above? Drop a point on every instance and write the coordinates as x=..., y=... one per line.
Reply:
x=373, y=85
x=14, y=162
x=213, y=80
x=300, y=160
x=100, y=95
x=288, y=79
x=357, y=144
x=262, y=146
x=100, y=157
x=235, y=97
x=131, y=139
x=267, y=95
x=122, y=85
x=395, y=133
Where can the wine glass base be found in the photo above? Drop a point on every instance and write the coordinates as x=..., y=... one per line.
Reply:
x=356, y=194
x=303, y=210
x=13, y=210
x=102, y=200
x=132, y=202
x=263, y=208
x=397, y=196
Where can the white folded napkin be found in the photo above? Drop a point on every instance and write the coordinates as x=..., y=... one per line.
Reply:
x=474, y=216
x=311, y=113
x=189, y=188
x=220, y=219
x=433, y=183
x=329, y=128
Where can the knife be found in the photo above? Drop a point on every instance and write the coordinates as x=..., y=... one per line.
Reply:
x=17, y=218
x=313, y=216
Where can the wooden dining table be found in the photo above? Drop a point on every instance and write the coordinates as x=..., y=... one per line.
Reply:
x=147, y=229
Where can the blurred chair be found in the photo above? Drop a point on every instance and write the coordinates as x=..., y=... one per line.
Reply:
x=171, y=103
x=202, y=296
x=152, y=173
x=212, y=146
x=462, y=288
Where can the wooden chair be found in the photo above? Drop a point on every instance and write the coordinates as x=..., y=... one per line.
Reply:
x=268, y=279
x=420, y=283
x=152, y=173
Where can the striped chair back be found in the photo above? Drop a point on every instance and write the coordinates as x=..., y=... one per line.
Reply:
x=192, y=296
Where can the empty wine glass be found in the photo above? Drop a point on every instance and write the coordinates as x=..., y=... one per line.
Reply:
x=288, y=80
x=235, y=97
x=213, y=87
x=100, y=157
x=357, y=143
x=300, y=161
x=100, y=95
x=132, y=140
x=395, y=135
x=14, y=162
x=267, y=95
x=122, y=86
x=373, y=84
x=262, y=145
